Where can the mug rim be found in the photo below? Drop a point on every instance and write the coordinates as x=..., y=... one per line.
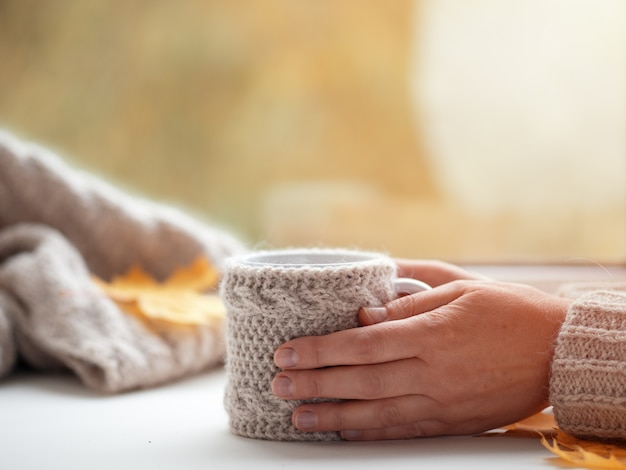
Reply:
x=306, y=257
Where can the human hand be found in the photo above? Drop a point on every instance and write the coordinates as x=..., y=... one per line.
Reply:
x=462, y=358
x=435, y=272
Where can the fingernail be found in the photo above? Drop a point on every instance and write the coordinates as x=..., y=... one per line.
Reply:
x=282, y=386
x=305, y=420
x=350, y=434
x=375, y=314
x=286, y=357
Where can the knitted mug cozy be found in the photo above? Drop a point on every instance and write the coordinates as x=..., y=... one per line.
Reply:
x=270, y=303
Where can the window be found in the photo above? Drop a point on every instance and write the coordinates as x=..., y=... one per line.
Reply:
x=465, y=130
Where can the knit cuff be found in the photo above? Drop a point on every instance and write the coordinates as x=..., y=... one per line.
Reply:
x=588, y=380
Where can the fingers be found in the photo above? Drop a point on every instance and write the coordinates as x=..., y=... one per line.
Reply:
x=434, y=272
x=377, y=343
x=422, y=302
x=392, y=418
x=372, y=315
x=385, y=342
x=377, y=381
x=411, y=305
x=423, y=428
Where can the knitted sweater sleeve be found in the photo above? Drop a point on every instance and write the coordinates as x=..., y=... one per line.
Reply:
x=588, y=379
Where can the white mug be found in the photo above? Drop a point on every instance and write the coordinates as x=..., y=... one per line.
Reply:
x=274, y=296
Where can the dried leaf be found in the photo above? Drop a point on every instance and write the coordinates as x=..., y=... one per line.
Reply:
x=589, y=454
x=179, y=299
x=199, y=276
x=127, y=287
x=540, y=424
x=181, y=307
x=583, y=453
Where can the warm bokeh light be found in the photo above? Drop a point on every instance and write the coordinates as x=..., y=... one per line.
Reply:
x=466, y=130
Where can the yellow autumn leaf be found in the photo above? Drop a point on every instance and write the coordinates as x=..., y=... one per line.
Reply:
x=582, y=453
x=540, y=424
x=199, y=276
x=126, y=288
x=589, y=454
x=537, y=424
x=179, y=299
x=182, y=307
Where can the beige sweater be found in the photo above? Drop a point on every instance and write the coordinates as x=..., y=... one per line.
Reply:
x=588, y=381
x=59, y=225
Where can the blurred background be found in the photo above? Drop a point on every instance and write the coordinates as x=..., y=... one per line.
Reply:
x=467, y=130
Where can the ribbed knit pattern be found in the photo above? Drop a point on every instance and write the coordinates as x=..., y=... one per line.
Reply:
x=269, y=305
x=588, y=382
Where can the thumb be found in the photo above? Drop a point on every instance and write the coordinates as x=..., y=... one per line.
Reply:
x=414, y=304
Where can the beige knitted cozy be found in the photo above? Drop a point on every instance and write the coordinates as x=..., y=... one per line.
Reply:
x=268, y=305
x=588, y=382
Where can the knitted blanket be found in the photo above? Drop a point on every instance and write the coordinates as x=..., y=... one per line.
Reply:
x=58, y=227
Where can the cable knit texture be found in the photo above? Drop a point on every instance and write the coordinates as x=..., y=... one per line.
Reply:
x=59, y=225
x=588, y=382
x=268, y=305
